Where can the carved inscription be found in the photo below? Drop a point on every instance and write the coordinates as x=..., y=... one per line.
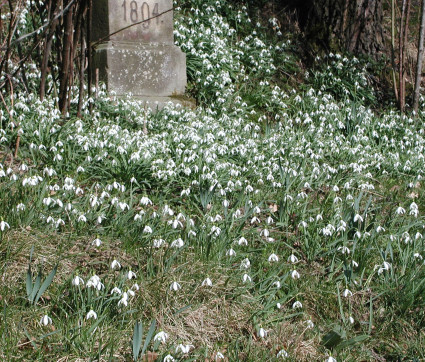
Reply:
x=137, y=11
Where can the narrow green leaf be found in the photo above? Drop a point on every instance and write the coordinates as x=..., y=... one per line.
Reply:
x=353, y=341
x=46, y=283
x=29, y=284
x=35, y=287
x=149, y=336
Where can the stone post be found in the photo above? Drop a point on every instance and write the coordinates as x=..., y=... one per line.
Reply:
x=141, y=59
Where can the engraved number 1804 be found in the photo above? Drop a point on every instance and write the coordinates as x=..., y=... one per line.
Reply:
x=132, y=12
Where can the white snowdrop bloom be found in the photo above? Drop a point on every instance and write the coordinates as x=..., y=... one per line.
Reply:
x=231, y=252
x=147, y=229
x=351, y=319
x=91, y=314
x=269, y=220
x=168, y=358
x=183, y=348
x=82, y=218
x=215, y=231
x=344, y=250
x=135, y=287
x=242, y=241
x=331, y=359
x=255, y=220
x=295, y=275
x=347, y=293
x=282, y=354
x=277, y=284
x=265, y=233
x=20, y=207
x=175, y=286
x=278, y=305
x=245, y=264
x=123, y=300
x=45, y=320
x=414, y=210
x=246, y=278
x=178, y=243
x=262, y=333
x=219, y=356
x=319, y=217
x=297, y=304
x=95, y=282
x=354, y=264
x=145, y=201
x=256, y=210
x=4, y=225
x=400, y=211
x=115, y=264
x=131, y=275
x=357, y=217
x=273, y=258
x=418, y=236
x=157, y=243
x=292, y=259
x=161, y=337
x=380, y=229
x=116, y=290
x=310, y=324
x=76, y=281
x=226, y=203
x=123, y=206
x=207, y=282
x=96, y=242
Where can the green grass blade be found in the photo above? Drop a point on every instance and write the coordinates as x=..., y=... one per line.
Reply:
x=29, y=284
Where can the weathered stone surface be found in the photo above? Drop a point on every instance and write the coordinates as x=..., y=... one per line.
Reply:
x=110, y=16
x=142, y=59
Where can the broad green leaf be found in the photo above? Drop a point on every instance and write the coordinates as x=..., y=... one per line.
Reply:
x=46, y=283
x=137, y=339
x=149, y=336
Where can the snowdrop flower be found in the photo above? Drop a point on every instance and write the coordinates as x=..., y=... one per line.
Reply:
x=147, y=230
x=297, y=304
x=265, y=233
x=231, y=252
x=295, y=275
x=123, y=300
x=135, y=287
x=95, y=282
x=246, y=278
x=115, y=264
x=276, y=284
x=175, y=286
x=45, y=320
x=245, y=264
x=157, y=243
x=168, y=358
x=354, y=264
x=76, y=281
x=145, y=201
x=278, y=305
x=131, y=275
x=219, y=356
x=226, y=203
x=293, y=259
x=357, y=217
x=161, y=336
x=183, y=348
x=207, y=282
x=4, y=225
x=351, y=319
x=331, y=359
x=347, y=293
x=242, y=241
x=379, y=229
x=344, y=250
x=400, y=211
x=385, y=266
x=91, y=314
x=310, y=324
x=116, y=290
x=262, y=333
x=282, y=353
x=273, y=258
x=414, y=210
x=178, y=243
x=96, y=242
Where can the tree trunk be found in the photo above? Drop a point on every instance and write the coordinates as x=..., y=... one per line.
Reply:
x=420, y=60
x=335, y=25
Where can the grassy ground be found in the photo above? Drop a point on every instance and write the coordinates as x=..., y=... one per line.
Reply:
x=268, y=223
